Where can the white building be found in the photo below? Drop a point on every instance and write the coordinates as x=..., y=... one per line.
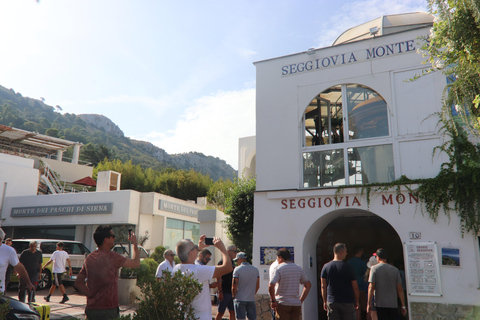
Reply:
x=34, y=202
x=347, y=115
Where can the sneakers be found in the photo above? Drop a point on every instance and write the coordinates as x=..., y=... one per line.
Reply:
x=65, y=299
x=47, y=298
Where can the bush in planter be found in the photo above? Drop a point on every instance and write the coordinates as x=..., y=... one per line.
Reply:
x=169, y=298
x=146, y=272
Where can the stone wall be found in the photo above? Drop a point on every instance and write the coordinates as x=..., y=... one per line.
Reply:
x=431, y=311
x=262, y=302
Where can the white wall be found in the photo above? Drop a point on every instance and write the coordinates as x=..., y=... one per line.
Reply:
x=68, y=171
x=125, y=208
x=19, y=174
x=301, y=229
x=246, y=156
x=282, y=99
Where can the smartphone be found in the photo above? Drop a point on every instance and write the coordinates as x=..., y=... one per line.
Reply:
x=209, y=241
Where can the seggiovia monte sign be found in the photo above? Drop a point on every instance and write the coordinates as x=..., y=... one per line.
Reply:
x=342, y=59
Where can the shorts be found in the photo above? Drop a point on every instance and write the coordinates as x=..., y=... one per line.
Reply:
x=57, y=279
x=227, y=302
x=244, y=309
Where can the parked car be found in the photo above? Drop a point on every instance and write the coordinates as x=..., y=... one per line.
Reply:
x=19, y=310
x=124, y=250
x=75, y=249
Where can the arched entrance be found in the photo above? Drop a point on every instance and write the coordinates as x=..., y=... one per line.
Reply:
x=356, y=228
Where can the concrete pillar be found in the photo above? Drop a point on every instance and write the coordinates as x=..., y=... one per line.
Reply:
x=59, y=155
x=76, y=153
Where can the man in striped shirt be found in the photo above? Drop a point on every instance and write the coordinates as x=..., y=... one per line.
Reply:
x=286, y=301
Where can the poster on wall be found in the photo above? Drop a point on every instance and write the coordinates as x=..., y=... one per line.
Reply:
x=422, y=267
x=450, y=257
x=269, y=254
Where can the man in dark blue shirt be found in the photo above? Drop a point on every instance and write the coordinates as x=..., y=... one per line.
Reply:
x=339, y=286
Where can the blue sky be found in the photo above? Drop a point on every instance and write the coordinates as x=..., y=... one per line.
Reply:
x=179, y=74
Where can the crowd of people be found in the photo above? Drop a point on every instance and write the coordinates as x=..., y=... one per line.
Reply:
x=355, y=290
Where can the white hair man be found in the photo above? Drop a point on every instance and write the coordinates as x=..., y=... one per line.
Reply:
x=9, y=256
x=187, y=252
x=168, y=264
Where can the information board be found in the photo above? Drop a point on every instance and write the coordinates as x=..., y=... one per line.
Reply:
x=423, y=269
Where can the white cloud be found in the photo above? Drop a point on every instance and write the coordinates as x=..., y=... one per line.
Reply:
x=211, y=125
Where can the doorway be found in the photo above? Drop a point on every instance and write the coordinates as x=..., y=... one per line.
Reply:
x=367, y=231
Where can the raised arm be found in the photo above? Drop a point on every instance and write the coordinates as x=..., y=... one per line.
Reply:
x=226, y=267
x=133, y=262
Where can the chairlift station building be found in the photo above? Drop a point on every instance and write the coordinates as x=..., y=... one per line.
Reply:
x=347, y=115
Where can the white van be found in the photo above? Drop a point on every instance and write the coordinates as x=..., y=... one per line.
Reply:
x=75, y=249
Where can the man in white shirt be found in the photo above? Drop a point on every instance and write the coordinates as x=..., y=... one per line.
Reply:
x=187, y=252
x=167, y=265
x=8, y=255
x=59, y=258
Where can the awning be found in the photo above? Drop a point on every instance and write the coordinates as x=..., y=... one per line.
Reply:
x=87, y=181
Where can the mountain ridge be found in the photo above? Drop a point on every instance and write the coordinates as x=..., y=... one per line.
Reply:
x=95, y=130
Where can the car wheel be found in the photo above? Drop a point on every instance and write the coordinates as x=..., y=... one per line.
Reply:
x=46, y=280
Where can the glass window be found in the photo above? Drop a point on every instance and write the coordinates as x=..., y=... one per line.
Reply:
x=323, y=168
x=177, y=230
x=349, y=116
x=367, y=113
x=324, y=118
x=371, y=164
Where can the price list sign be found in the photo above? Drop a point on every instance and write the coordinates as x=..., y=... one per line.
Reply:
x=423, y=273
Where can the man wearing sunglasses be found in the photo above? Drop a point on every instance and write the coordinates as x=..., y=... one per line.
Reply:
x=187, y=252
x=100, y=270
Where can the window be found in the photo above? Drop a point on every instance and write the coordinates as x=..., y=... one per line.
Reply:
x=177, y=230
x=345, y=129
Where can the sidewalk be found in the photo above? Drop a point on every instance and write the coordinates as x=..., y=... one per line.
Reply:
x=74, y=308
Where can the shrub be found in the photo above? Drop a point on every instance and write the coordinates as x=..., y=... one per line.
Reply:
x=169, y=298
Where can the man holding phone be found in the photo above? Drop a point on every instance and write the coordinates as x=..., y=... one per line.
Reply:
x=101, y=269
x=187, y=252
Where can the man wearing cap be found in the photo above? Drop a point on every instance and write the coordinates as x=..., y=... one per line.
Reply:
x=32, y=260
x=168, y=264
x=385, y=284
x=246, y=281
x=285, y=299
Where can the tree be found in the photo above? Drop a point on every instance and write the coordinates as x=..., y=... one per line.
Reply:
x=454, y=48
x=239, y=211
x=218, y=193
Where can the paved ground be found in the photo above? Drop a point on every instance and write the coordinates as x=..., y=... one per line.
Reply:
x=74, y=308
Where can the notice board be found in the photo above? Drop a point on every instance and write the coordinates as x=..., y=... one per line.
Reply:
x=423, y=269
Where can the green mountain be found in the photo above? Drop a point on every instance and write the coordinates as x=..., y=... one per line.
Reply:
x=100, y=136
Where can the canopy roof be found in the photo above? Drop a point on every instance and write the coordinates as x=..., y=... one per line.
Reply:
x=26, y=142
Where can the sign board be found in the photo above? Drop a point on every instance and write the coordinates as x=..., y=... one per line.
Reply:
x=59, y=210
x=423, y=269
x=177, y=208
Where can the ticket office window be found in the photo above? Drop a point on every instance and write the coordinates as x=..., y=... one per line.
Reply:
x=342, y=127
